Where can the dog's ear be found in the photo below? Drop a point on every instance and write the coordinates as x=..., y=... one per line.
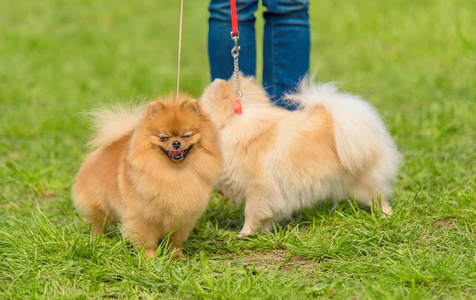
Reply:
x=191, y=106
x=155, y=108
x=216, y=86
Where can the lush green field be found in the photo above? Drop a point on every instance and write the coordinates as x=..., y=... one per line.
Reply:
x=414, y=60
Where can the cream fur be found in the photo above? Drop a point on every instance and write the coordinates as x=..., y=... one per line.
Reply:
x=277, y=161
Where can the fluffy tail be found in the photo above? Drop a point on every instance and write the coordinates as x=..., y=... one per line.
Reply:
x=110, y=124
x=362, y=139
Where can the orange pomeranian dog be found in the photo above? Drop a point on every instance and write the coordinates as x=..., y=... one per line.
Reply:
x=153, y=171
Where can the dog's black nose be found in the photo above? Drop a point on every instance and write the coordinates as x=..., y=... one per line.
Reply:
x=176, y=144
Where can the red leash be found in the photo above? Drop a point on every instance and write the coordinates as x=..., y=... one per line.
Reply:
x=235, y=52
x=234, y=18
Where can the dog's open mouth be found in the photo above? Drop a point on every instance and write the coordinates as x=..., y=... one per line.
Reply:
x=177, y=155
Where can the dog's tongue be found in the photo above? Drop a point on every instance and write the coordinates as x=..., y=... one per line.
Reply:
x=175, y=153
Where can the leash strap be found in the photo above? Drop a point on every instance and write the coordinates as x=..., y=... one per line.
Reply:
x=179, y=47
x=234, y=18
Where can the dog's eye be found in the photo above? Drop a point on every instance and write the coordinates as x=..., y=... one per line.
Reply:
x=164, y=138
x=187, y=136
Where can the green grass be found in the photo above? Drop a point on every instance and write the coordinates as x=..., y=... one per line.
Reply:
x=414, y=60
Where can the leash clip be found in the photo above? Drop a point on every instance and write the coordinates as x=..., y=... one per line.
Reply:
x=235, y=52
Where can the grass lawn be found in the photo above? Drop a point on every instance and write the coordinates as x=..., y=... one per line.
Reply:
x=414, y=60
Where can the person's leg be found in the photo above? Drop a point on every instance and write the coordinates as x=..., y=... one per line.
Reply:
x=220, y=43
x=286, y=46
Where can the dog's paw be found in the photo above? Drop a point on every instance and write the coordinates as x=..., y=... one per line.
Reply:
x=244, y=233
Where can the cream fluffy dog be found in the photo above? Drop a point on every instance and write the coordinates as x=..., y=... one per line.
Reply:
x=277, y=161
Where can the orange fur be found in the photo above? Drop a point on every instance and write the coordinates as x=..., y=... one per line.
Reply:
x=134, y=180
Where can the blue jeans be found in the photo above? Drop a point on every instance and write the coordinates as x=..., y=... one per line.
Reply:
x=286, y=43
